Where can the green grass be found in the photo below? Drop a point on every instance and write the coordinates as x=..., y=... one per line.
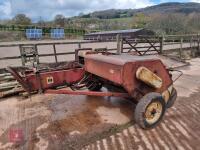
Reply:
x=129, y=19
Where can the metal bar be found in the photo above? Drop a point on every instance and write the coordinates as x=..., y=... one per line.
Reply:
x=19, y=79
x=89, y=93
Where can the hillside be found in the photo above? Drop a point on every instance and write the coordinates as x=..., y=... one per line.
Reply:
x=185, y=8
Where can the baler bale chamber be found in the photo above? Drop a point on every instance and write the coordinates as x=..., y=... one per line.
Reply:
x=143, y=80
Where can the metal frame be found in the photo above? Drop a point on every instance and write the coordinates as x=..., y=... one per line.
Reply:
x=89, y=93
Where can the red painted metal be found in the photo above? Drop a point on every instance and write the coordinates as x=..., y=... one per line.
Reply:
x=90, y=93
x=121, y=70
x=60, y=77
x=23, y=82
x=56, y=78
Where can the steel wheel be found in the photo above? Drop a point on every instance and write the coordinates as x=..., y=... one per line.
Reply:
x=153, y=112
x=150, y=110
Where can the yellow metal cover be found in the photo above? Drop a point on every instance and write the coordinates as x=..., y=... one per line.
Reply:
x=149, y=77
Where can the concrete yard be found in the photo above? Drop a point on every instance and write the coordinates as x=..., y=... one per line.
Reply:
x=83, y=122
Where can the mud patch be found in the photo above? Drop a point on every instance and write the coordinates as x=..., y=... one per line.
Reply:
x=112, y=115
x=78, y=120
x=81, y=113
x=81, y=122
x=54, y=121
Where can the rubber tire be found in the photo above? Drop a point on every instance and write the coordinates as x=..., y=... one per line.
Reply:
x=96, y=87
x=172, y=99
x=142, y=106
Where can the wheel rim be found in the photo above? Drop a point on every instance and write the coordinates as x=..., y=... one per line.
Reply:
x=153, y=112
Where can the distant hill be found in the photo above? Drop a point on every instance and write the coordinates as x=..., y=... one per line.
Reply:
x=175, y=7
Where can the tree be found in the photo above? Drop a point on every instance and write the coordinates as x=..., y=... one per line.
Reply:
x=59, y=20
x=140, y=20
x=21, y=19
x=194, y=22
x=173, y=23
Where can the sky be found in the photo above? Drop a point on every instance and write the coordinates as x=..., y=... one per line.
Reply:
x=47, y=9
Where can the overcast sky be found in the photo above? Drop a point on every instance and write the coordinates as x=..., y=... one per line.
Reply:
x=47, y=9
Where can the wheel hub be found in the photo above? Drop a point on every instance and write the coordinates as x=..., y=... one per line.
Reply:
x=153, y=112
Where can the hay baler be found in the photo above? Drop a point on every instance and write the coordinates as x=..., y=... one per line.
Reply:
x=142, y=79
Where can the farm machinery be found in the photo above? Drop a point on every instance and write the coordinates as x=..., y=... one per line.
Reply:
x=143, y=80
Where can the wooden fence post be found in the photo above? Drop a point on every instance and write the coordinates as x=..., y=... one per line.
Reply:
x=79, y=45
x=37, y=54
x=161, y=44
x=191, y=39
x=181, y=47
x=198, y=43
x=119, y=44
x=55, y=54
x=21, y=54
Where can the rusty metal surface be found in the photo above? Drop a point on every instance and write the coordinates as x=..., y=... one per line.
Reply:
x=124, y=58
x=48, y=79
x=120, y=59
x=148, y=77
x=104, y=70
x=155, y=66
x=57, y=78
x=19, y=79
x=122, y=70
x=89, y=93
